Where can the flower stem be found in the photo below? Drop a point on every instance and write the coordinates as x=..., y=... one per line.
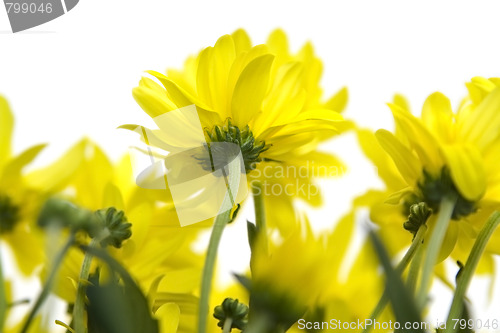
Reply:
x=468, y=271
x=400, y=268
x=227, y=325
x=435, y=243
x=48, y=284
x=3, y=298
x=258, y=201
x=232, y=179
x=414, y=271
x=79, y=308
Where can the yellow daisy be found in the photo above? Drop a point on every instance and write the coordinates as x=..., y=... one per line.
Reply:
x=306, y=277
x=19, y=202
x=439, y=155
x=158, y=250
x=263, y=98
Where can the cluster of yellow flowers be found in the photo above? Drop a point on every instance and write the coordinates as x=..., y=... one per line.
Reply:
x=116, y=253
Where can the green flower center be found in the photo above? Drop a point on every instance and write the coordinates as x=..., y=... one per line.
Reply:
x=432, y=190
x=222, y=154
x=9, y=214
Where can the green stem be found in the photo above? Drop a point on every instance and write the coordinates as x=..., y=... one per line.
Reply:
x=258, y=324
x=435, y=243
x=258, y=201
x=400, y=268
x=414, y=271
x=48, y=284
x=220, y=222
x=79, y=307
x=469, y=269
x=227, y=325
x=3, y=297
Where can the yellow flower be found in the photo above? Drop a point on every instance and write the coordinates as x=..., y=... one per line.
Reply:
x=440, y=154
x=267, y=94
x=306, y=276
x=158, y=250
x=18, y=201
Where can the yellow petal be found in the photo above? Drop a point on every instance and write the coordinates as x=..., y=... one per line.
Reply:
x=222, y=59
x=377, y=155
x=6, y=127
x=179, y=96
x=395, y=198
x=27, y=248
x=278, y=43
x=112, y=197
x=282, y=216
x=285, y=99
x=152, y=100
x=449, y=241
x=338, y=102
x=402, y=102
x=251, y=89
x=241, y=40
x=312, y=72
x=479, y=87
x=437, y=114
x=89, y=184
x=56, y=175
x=185, y=77
x=408, y=165
x=483, y=124
x=424, y=144
x=467, y=171
x=240, y=62
x=340, y=240
x=168, y=315
x=14, y=167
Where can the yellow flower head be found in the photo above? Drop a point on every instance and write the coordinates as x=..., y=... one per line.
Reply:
x=157, y=246
x=18, y=201
x=263, y=98
x=444, y=154
x=289, y=277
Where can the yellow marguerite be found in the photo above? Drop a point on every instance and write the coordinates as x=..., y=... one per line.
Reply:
x=305, y=277
x=18, y=201
x=158, y=250
x=267, y=93
x=440, y=154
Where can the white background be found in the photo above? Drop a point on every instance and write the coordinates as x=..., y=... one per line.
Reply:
x=73, y=76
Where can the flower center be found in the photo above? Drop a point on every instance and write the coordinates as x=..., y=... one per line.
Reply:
x=221, y=155
x=9, y=214
x=433, y=189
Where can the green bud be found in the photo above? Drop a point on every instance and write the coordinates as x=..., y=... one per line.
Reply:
x=236, y=311
x=114, y=225
x=63, y=214
x=419, y=214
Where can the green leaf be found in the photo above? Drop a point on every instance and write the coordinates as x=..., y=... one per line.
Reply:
x=252, y=231
x=403, y=302
x=117, y=307
x=244, y=281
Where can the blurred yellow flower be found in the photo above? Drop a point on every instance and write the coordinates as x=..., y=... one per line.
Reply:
x=18, y=201
x=440, y=154
x=158, y=250
x=303, y=276
x=267, y=94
